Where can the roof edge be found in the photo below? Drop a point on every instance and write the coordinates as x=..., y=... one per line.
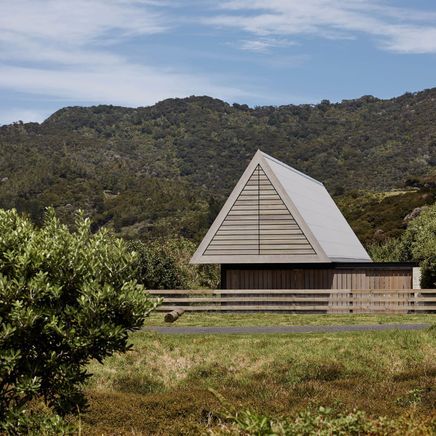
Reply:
x=288, y=167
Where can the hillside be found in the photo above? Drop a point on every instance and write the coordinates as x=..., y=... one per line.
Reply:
x=166, y=169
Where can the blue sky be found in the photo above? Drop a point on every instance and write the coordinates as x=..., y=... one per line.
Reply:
x=56, y=53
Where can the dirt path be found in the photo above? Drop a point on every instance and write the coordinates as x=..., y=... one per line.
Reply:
x=284, y=329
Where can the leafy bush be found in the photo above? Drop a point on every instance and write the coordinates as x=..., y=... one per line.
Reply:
x=165, y=265
x=417, y=243
x=389, y=251
x=66, y=297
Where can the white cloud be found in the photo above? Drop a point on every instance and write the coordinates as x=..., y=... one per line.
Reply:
x=263, y=45
x=77, y=22
x=122, y=84
x=397, y=29
x=64, y=49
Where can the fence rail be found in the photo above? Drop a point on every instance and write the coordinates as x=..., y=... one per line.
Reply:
x=300, y=301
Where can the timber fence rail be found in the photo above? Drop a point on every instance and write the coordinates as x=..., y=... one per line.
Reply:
x=300, y=301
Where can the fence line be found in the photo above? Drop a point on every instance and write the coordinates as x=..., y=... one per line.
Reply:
x=301, y=300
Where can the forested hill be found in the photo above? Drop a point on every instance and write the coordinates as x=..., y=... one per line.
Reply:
x=166, y=168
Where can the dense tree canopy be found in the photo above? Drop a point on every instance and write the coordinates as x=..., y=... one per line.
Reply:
x=164, y=170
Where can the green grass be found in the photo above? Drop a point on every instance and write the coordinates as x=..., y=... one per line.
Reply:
x=278, y=319
x=162, y=385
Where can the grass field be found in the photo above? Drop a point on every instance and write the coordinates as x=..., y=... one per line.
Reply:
x=162, y=385
x=283, y=319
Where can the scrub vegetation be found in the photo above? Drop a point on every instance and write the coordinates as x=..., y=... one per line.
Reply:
x=164, y=171
x=233, y=383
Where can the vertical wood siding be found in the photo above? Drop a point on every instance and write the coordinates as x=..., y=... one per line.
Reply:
x=340, y=278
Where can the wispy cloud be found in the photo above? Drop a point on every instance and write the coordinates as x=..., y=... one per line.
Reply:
x=263, y=45
x=122, y=84
x=79, y=22
x=65, y=49
x=401, y=30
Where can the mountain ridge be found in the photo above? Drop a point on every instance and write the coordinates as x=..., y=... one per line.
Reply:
x=166, y=168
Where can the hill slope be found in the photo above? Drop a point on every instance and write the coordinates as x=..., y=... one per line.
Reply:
x=165, y=169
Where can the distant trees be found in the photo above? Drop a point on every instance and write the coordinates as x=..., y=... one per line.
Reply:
x=66, y=297
x=166, y=160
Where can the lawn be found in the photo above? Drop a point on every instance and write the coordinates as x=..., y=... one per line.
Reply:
x=281, y=319
x=163, y=385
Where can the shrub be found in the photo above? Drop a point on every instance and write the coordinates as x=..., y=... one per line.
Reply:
x=164, y=264
x=388, y=251
x=417, y=243
x=420, y=241
x=66, y=297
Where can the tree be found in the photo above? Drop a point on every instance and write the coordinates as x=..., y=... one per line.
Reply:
x=419, y=244
x=66, y=297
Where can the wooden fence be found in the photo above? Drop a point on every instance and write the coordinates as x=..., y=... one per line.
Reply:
x=301, y=301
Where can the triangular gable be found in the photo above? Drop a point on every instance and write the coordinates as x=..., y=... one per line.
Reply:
x=259, y=224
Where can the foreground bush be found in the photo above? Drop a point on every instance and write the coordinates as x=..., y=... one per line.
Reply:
x=65, y=298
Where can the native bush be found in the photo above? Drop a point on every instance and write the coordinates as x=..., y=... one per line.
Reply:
x=164, y=264
x=66, y=297
x=417, y=244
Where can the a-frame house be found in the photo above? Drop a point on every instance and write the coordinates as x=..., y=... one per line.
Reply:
x=280, y=228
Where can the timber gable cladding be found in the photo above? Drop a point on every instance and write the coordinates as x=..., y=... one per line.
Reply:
x=259, y=223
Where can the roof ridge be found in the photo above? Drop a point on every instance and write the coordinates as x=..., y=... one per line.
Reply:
x=267, y=156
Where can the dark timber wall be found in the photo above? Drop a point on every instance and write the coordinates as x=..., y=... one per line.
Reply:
x=318, y=276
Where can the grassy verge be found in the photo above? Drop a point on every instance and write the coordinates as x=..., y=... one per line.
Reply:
x=280, y=319
x=162, y=385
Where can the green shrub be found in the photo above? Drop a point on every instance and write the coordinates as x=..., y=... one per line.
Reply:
x=66, y=297
x=417, y=244
x=389, y=251
x=164, y=264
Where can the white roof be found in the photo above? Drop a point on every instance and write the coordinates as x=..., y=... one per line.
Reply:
x=320, y=213
x=277, y=214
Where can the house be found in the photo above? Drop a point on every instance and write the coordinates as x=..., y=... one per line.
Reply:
x=280, y=229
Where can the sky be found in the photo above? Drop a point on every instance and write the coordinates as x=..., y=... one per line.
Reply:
x=57, y=53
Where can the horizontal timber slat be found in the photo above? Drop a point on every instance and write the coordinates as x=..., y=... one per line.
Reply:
x=369, y=309
x=290, y=291
x=291, y=299
x=244, y=308
x=270, y=237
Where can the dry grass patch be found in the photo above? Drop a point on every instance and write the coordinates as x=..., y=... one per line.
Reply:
x=162, y=387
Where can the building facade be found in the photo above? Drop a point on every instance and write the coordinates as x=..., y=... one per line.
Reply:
x=280, y=229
